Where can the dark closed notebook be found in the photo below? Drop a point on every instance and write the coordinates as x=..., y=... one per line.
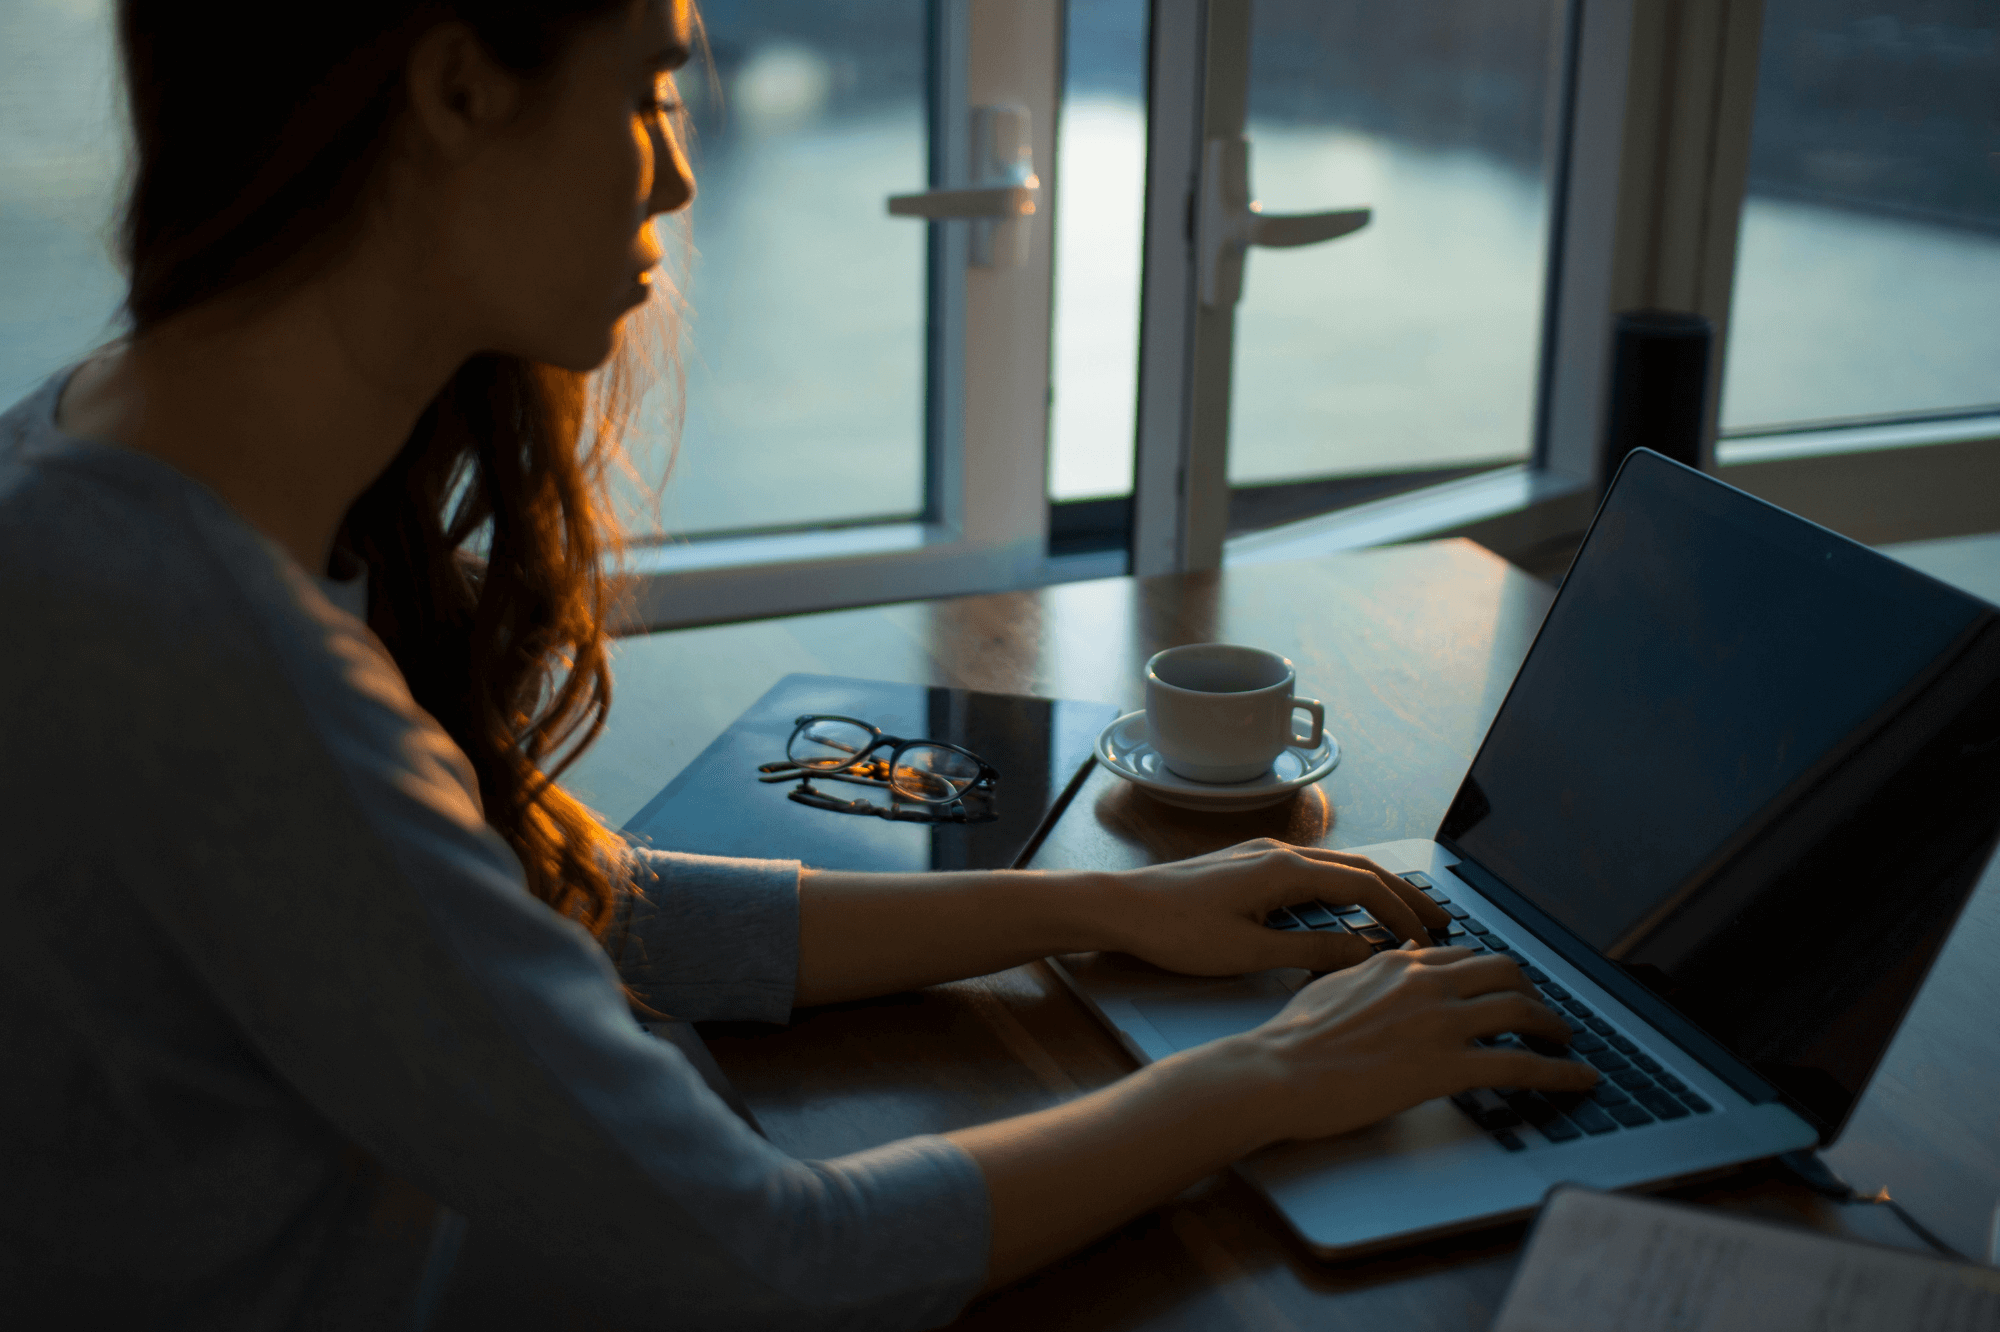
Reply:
x=1041, y=748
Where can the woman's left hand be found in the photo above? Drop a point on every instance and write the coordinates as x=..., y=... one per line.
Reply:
x=1205, y=916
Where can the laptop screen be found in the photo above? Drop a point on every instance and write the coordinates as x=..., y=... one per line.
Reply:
x=1754, y=764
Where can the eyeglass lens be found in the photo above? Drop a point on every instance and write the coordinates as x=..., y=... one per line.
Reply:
x=932, y=772
x=827, y=743
x=921, y=771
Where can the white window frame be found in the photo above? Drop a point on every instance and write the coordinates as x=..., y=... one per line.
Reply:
x=986, y=524
x=1653, y=153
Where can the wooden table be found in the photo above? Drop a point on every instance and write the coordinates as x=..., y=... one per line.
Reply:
x=1412, y=649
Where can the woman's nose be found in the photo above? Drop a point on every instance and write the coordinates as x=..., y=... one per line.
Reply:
x=673, y=178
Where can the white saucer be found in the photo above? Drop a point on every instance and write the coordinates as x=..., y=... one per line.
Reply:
x=1123, y=747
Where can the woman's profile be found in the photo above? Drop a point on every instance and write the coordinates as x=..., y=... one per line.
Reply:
x=313, y=972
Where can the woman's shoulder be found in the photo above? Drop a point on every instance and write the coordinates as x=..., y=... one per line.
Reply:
x=126, y=579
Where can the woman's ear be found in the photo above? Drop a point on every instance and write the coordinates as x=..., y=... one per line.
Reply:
x=459, y=95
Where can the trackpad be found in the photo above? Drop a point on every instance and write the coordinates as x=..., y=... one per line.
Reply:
x=1186, y=1023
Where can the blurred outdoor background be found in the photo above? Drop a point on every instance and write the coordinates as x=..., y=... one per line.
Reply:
x=1868, y=279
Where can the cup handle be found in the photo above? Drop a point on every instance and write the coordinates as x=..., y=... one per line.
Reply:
x=1311, y=705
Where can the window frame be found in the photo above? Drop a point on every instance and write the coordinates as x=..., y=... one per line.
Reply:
x=985, y=522
x=1651, y=165
x=1654, y=162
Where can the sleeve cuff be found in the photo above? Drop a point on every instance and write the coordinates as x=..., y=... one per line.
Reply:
x=712, y=936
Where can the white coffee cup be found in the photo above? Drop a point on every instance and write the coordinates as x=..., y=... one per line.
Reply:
x=1220, y=713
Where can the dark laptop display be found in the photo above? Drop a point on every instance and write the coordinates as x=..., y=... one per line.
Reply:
x=1754, y=764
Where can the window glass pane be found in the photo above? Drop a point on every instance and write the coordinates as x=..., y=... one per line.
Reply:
x=805, y=354
x=1414, y=344
x=1868, y=268
x=1099, y=224
x=62, y=153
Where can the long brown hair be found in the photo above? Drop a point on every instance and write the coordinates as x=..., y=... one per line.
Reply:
x=253, y=172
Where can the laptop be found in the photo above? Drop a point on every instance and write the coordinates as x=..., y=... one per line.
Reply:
x=1742, y=784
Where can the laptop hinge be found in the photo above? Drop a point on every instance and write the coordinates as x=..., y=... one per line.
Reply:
x=1672, y=1024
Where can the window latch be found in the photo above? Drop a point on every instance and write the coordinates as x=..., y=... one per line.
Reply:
x=1228, y=222
x=1004, y=192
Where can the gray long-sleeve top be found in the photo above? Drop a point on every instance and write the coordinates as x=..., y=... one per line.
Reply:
x=266, y=975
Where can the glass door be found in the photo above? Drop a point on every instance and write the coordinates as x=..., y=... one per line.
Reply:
x=1868, y=270
x=867, y=354
x=1351, y=297
x=1408, y=352
x=806, y=343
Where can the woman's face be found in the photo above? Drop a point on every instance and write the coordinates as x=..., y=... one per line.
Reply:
x=558, y=236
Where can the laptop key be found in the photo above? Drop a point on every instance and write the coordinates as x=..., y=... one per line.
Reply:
x=1583, y=1042
x=1661, y=1104
x=1559, y=1129
x=1511, y=1141
x=1631, y=1079
x=1486, y=1109
x=1578, y=1007
x=1621, y=1044
x=1607, y=1061
x=1532, y=1107
x=1436, y=895
x=1551, y=1121
x=1602, y=1028
x=1314, y=915
x=1646, y=1061
x=1607, y=1093
x=1377, y=937
x=1628, y=1114
x=1535, y=974
x=1693, y=1101
x=1592, y=1120
x=1671, y=1083
x=1282, y=919
x=1553, y=990
x=1469, y=922
x=1417, y=880
x=1455, y=911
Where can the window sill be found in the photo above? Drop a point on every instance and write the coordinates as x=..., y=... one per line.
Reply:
x=1780, y=446
x=1508, y=508
x=677, y=584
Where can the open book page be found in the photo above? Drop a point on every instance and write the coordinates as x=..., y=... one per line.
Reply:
x=1613, y=1261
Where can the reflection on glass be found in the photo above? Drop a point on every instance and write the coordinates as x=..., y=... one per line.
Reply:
x=1868, y=268
x=1101, y=176
x=62, y=153
x=1413, y=344
x=805, y=352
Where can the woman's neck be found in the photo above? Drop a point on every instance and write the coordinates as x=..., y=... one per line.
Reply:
x=289, y=409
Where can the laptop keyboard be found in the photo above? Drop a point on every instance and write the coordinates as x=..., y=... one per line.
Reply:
x=1634, y=1092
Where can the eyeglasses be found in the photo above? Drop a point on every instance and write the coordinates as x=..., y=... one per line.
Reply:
x=930, y=772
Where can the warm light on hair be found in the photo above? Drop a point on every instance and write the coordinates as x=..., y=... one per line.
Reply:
x=490, y=538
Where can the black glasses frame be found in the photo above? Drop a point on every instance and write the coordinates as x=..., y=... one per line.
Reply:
x=984, y=782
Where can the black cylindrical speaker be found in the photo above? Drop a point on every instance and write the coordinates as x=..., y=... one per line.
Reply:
x=1659, y=386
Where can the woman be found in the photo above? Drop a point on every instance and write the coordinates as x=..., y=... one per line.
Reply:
x=281, y=1001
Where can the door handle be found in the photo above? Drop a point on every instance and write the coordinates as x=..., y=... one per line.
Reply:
x=1004, y=192
x=982, y=201
x=1228, y=222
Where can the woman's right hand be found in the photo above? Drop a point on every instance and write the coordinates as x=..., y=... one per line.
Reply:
x=1359, y=1045
x=1349, y=1049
